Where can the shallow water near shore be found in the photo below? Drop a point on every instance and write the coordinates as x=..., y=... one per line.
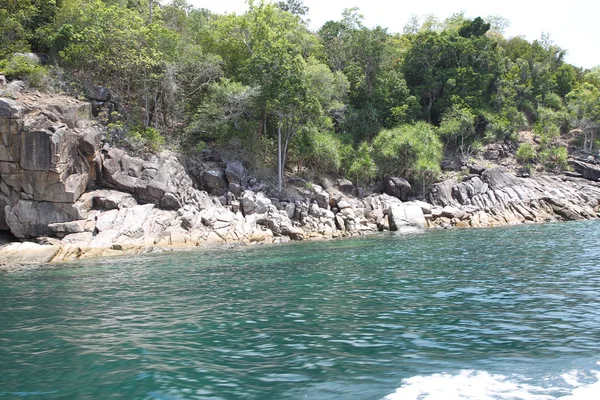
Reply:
x=504, y=313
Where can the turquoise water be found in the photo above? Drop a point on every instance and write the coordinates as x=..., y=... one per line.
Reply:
x=506, y=313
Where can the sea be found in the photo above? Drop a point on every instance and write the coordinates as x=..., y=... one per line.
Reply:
x=501, y=313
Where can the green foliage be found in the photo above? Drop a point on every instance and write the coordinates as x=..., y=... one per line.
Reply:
x=21, y=67
x=148, y=138
x=583, y=105
x=318, y=151
x=500, y=126
x=23, y=24
x=346, y=99
x=362, y=167
x=223, y=114
x=554, y=158
x=458, y=126
x=412, y=151
x=526, y=153
x=548, y=125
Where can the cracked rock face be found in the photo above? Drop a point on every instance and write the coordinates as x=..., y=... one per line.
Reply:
x=44, y=164
x=498, y=197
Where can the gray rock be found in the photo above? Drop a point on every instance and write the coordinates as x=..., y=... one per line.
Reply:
x=35, y=58
x=63, y=229
x=235, y=206
x=425, y=207
x=31, y=218
x=236, y=189
x=408, y=214
x=248, y=202
x=499, y=178
x=262, y=203
x=321, y=197
x=290, y=210
x=14, y=88
x=587, y=170
x=280, y=225
x=236, y=173
x=343, y=204
x=28, y=252
x=397, y=187
x=452, y=212
x=10, y=109
x=97, y=93
x=214, y=181
x=345, y=186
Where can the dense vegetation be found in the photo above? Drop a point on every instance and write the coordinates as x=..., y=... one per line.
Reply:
x=346, y=99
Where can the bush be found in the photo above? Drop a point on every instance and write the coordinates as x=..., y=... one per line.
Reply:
x=458, y=126
x=22, y=67
x=502, y=125
x=321, y=152
x=363, y=167
x=412, y=151
x=554, y=159
x=526, y=153
x=149, y=138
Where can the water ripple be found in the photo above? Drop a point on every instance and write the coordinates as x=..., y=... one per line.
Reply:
x=327, y=320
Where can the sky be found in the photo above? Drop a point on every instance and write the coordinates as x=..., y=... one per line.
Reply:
x=573, y=26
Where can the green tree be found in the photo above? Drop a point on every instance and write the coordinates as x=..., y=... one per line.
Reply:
x=378, y=95
x=118, y=47
x=584, y=111
x=293, y=6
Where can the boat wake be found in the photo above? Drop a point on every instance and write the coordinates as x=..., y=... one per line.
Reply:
x=481, y=385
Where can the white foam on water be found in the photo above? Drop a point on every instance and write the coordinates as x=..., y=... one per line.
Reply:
x=481, y=385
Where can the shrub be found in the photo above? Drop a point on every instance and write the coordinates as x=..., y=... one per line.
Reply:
x=555, y=158
x=22, y=67
x=458, y=126
x=526, y=153
x=408, y=150
x=150, y=138
x=503, y=125
x=362, y=167
x=321, y=152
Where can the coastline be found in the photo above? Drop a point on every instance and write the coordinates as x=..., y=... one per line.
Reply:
x=66, y=194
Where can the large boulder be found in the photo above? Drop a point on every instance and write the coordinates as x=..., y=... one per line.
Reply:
x=98, y=93
x=236, y=173
x=345, y=186
x=160, y=179
x=587, y=170
x=397, y=187
x=28, y=218
x=499, y=178
x=35, y=58
x=406, y=215
x=213, y=181
x=28, y=252
x=321, y=197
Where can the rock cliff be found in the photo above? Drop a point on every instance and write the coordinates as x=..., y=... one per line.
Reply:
x=69, y=195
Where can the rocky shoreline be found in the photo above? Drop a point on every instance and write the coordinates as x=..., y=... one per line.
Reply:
x=65, y=194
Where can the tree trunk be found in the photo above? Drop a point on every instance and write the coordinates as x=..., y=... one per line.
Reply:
x=279, y=159
x=428, y=108
x=263, y=118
